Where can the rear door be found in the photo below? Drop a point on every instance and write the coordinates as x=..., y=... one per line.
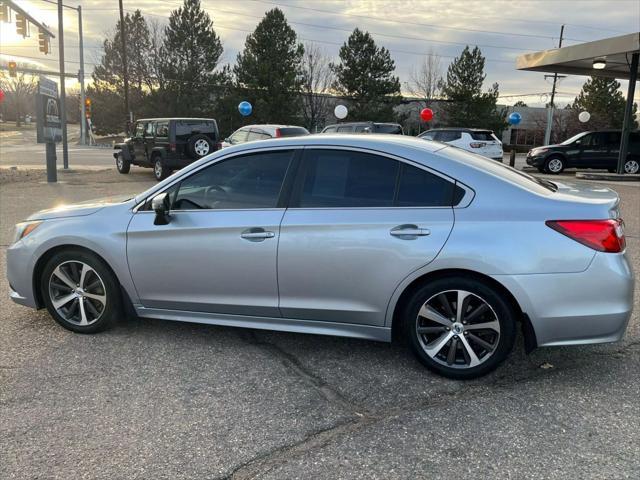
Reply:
x=358, y=223
x=593, y=151
x=612, y=142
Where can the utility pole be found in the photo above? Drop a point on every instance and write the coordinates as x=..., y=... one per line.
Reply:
x=547, y=132
x=63, y=108
x=83, y=118
x=125, y=74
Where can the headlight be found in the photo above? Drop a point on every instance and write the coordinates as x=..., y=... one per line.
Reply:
x=25, y=228
x=538, y=151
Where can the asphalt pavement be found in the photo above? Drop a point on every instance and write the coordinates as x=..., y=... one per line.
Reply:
x=157, y=399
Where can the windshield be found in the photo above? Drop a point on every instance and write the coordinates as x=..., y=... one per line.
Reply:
x=574, y=138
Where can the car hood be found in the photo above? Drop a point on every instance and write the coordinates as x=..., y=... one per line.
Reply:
x=79, y=209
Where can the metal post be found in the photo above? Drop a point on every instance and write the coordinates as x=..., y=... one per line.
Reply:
x=628, y=111
x=63, y=112
x=83, y=118
x=125, y=73
x=547, y=132
x=52, y=173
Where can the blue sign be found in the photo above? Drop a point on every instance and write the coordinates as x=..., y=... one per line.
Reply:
x=245, y=108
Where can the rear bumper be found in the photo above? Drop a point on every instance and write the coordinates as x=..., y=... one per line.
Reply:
x=589, y=307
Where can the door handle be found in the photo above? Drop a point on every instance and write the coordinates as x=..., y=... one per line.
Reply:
x=256, y=234
x=409, y=232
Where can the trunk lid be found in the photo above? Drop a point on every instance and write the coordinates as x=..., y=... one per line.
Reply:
x=598, y=201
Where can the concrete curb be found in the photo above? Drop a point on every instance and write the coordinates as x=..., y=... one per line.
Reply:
x=611, y=177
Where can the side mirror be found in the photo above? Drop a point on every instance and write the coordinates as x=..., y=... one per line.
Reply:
x=160, y=204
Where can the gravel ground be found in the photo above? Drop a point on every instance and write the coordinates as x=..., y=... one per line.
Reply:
x=154, y=399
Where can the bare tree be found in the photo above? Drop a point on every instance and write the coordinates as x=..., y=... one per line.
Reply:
x=20, y=90
x=426, y=79
x=317, y=80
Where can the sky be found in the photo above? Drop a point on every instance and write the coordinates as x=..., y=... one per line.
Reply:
x=409, y=29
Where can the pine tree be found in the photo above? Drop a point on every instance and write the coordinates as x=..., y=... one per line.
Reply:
x=269, y=70
x=105, y=91
x=604, y=101
x=468, y=106
x=365, y=76
x=191, y=52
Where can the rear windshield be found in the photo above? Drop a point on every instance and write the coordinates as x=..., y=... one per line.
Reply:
x=524, y=180
x=394, y=129
x=483, y=136
x=293, y=131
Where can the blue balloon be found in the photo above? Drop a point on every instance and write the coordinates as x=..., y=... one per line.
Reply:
x=245, y=108
x=515, y=118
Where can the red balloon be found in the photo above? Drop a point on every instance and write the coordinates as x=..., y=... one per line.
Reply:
x=426, y=114
x=1, y=96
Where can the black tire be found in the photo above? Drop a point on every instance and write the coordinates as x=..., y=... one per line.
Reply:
x=199, y=146
x=160, y=170
x=552, y=161
x=500, y=309
x=632, y=167
x=122, y=165
x=99, y=281
x=541, y=169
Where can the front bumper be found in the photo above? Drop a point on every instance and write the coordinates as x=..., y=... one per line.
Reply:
x=19, y=274
x=593, y=306
x=535, y=161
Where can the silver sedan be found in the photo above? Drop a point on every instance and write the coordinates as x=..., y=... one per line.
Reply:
x=356, y=236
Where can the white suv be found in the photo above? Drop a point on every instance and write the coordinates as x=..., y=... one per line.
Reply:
x=252, y=133
x=482, y=142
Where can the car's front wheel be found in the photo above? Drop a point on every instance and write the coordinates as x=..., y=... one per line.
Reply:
x=80, y=292
x=554, y=165
x=122, y=165
x=459, y=327
x=160, y=171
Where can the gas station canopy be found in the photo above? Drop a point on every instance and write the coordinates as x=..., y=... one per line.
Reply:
x=614, y=54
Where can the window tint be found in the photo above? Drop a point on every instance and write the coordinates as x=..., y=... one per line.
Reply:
x=250, y=181
x=345, y=129
x=392, y=129
x=239, y=136
x=329, y=129
x=188, y=127
x=428, y=135
x=362, y=128
x=293, y=131
x=419, y=188
x=148, y=132
x=254, y=135
x=341, y=178
x=139, y=129
x=612, y=139
x=483, y=136
x=448, y=136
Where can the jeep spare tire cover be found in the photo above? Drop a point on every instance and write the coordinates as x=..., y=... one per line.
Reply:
x=199, y=146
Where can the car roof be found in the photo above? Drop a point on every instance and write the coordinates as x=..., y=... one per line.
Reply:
x=270, y=125
x=456, y=129
x=175, y=118
x=347, y=124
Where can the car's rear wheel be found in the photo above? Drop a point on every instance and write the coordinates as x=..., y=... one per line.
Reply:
x=459, y=327
x=80, y=292
x=160, y=171
x=631, y=166
x=554, y=165
x=199, y=146
x=122, y=165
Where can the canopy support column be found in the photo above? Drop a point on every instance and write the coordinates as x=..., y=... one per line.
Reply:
x=628, y=111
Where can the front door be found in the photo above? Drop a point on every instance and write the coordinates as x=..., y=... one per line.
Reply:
x=218, y=252
x=357, y=225
x=139, y=148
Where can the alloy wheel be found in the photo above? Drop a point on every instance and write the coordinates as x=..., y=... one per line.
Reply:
x=458, y=329
x=77, y=293
x=120, y=162
x=631, y=166
x=201, y=147
x=555, y=165
x=157, y=169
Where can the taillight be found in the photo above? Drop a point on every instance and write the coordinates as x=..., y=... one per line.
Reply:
x=278, y=133
x=601, y=235
x=172, y=147
x=476, y=144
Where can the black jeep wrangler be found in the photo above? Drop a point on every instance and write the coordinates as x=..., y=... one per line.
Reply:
x=167, y=144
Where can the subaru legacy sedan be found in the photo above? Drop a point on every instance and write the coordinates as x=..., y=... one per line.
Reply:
x=350, y=235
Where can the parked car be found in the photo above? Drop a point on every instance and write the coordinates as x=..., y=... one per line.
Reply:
x=598, y=149
x=351, y=235
x=364, y=127
x=474, y=140
x=167, y=144
x=251, y=133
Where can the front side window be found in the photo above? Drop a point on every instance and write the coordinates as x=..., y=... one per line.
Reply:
x=448, y=136
x=344, y=129
x=148, y=132
x=139, y=129
x=343, y=178
x=329, y=129
x=245, y=182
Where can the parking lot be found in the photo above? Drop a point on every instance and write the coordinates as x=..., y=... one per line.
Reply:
x=158, y=399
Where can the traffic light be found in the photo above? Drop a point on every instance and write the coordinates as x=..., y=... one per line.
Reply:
x=43, y=40
x=87, y=107
x=13, y=69
x=21, y=25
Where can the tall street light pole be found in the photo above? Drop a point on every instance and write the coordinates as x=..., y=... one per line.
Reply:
x=125, y=74
x=63, y=108
x=83, y=117
x=547, y=132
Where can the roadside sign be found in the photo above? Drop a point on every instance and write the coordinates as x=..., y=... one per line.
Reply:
x=48, y=126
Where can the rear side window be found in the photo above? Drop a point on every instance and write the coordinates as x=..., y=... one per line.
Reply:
x=162, y=129
x=392, y=129
x=362, y=128
x=343, y=178
x=189, y=127
x=448, y=136
x=345, y=129
x=293, y=131
x=483, y=136
x=419, y=188
x=428, y=135
x=329, y=130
